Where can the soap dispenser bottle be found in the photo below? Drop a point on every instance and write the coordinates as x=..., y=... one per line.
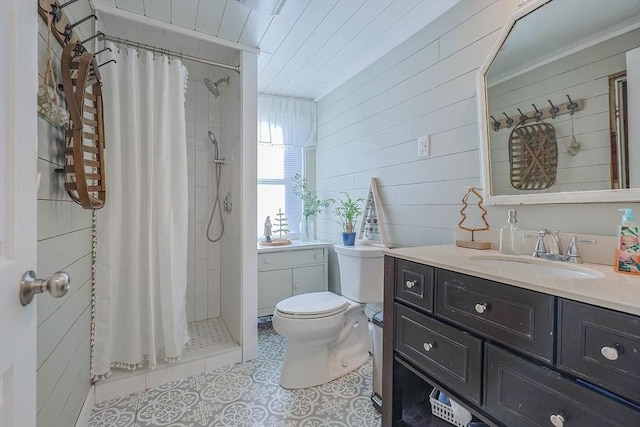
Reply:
x=510, y=235
x=628, y=251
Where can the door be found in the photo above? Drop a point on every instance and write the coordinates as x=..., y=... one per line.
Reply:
x=308, y=279
x=18, y=154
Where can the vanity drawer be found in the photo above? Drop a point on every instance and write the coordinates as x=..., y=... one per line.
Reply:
x=414, y=284
x=287, y=259
x=516, y=317
x=600, y=345
x=520, y=393
x=449, y=355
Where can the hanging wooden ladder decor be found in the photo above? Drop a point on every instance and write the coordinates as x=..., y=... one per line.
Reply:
x=84, y=173
x=372, y=230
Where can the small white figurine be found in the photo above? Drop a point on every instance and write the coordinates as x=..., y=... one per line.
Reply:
x=267, y=229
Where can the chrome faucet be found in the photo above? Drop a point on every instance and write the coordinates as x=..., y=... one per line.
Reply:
x=553, y=251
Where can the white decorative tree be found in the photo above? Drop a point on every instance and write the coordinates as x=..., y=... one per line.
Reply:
x=280, y=224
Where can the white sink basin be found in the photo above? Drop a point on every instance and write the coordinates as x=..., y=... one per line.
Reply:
x=521, y=265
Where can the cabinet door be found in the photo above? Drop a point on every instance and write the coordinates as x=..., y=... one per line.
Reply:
x=516, y=317
x=273, y=287
x=308, y=279
x=449, y=355
x=520, y=393
x=414, y=284
x=600, y=345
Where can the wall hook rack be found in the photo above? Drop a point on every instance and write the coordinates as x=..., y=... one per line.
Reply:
x=540, y=114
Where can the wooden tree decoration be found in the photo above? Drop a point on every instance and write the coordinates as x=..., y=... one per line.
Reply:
x=473, y=244
x=280, y=225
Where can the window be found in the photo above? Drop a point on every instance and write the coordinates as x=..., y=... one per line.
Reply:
x=286, y=134
x=277, y=165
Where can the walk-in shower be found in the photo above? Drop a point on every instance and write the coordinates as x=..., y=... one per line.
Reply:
x=213, y=87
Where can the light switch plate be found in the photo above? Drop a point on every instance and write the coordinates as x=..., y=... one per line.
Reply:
x=424, y=148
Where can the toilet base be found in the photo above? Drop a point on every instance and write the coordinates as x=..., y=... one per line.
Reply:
x=311, y=364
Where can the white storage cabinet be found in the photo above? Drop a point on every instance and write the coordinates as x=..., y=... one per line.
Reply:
x=286, y=272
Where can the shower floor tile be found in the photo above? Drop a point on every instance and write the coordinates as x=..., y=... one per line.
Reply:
x=246, y=394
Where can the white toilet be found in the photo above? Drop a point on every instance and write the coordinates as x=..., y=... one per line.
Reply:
x=327, y=334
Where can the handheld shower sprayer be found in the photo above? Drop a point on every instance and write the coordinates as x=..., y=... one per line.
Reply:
x=213, y=86
x=216, y=203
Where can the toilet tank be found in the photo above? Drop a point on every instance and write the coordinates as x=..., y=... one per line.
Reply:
x=361, y=272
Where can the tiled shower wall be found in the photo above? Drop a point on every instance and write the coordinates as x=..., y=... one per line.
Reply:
x=203, y=111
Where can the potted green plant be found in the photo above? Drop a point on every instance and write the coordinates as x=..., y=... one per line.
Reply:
x=312, y=205
x=348, y=210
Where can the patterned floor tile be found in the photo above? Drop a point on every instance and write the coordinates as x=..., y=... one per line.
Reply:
x=246, y=394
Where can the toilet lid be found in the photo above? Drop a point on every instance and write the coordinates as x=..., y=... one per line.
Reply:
x=313, y=304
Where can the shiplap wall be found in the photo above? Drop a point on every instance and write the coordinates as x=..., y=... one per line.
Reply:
x=64, y=243
x=427, y=85
x=583, y=75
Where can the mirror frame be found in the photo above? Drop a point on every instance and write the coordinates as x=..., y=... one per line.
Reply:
x=591, y=196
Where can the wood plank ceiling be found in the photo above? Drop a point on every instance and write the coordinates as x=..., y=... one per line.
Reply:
x=308, y=49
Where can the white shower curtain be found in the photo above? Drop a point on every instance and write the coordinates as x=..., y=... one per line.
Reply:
x=141, y=263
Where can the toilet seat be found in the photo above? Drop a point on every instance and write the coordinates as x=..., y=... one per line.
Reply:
x=312, y=305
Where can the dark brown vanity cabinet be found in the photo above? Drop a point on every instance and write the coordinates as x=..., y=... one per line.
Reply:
x=511, y=356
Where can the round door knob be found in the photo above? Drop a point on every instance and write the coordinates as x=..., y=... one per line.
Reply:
x=557, y=420
x=410, y=283
x=610, y=353
x=427, y=346
x=481, y=308
x=57, y=285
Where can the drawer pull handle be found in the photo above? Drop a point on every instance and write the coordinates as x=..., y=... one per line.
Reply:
x=316, y=256
x=266, y=260
x=481, y=308
x=410, y=283
x=427, y=346
x=610, y=353
x=557, y=420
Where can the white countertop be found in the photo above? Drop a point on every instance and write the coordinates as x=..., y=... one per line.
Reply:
x=617, y=291
x=295, y=245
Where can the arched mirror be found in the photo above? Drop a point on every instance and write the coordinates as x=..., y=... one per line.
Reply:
x=559, y=104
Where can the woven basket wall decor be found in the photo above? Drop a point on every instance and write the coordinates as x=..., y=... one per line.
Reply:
x=533, y=156
x=84, y=154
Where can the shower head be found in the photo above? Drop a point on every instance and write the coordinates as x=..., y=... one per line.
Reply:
x=213, y=139
x=213, y=87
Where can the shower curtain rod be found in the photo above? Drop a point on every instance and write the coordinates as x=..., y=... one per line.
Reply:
x=167, y=52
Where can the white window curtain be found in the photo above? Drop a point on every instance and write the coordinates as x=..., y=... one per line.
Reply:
x=141, y=266
x=290, y=122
